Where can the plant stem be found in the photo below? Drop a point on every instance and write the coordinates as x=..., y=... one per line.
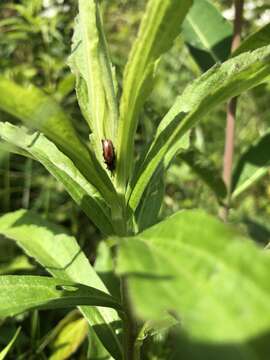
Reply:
x=130, y=332
x=231, y=114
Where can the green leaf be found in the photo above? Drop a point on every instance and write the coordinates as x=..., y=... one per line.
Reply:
x=5, y=351
x=160, y=25
x=39, y=111
x=54, y=332
x=147, y=212
x=9, y=148
x=207, y=34
x=199, y=269
x=206, y=170
x=91, y=65
x=63, y=169
x=21, y=293
x=61, y=256
x=65, y=87
x=211, y=89
x=186, y=348
x=104, y=266
x=69, y=339
x=254, y=41
x=18, y=263
x=252, y=166
x=95, y=349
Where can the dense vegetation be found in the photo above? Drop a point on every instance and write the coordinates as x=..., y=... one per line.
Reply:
x=139, y=249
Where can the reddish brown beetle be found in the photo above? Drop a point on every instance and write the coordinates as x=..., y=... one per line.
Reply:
x=108, y=154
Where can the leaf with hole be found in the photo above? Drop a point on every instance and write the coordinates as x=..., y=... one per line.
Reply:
x=22, y=293
x=61, y=256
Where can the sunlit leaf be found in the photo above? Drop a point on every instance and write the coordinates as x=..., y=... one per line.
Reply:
x=69, y=339
x=41, y=112
x=91, y=65
x=254, y=41
x=159, y=27
x=197, y=269
x=207, y=34
x=215, y=86
x=61, y=255
x=21, y=293
x=63, y=169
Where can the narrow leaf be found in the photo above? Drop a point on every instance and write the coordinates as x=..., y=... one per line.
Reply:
x=6, y=350
x=21, y=293
x=254, y=41
x=91, y=65
x=53, y=333
x=61, y=256
x=159, y=27
x=41, y=112
x=9, y=148
x=199, y=270
x=214, y=87
x=252, y=166
x=63, y=169
x=69, y=339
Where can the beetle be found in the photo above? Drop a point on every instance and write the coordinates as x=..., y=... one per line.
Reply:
x=108, y=154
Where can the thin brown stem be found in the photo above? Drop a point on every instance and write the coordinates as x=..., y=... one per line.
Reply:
x=231, y=114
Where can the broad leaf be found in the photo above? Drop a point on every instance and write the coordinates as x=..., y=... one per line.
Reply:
x=159, y=27
x=214, y=87
x=62, y=257
x=254, y=41
x=6, y=350
x=41, y=112
x=207, y=34
x=91, y=65
x=21, y=293
x=61, y=167
x=252, y=166
x=199, y=270
x=186, y=348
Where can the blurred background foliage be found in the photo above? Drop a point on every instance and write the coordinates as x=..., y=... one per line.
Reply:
x=35, y=38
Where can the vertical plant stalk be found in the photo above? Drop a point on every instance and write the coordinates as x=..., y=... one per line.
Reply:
x=231, y=115
x=131, y=351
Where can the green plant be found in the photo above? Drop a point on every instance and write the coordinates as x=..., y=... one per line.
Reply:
x=189, y=272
